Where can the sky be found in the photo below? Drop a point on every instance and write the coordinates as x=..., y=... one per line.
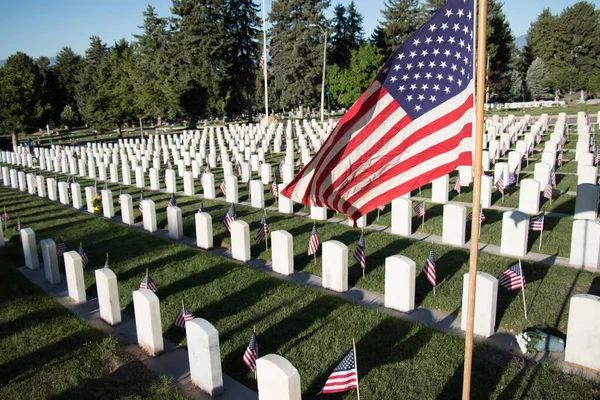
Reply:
x=43, y=27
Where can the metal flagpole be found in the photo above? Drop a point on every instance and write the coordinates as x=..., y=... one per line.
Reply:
x=476, y=208
x=264, y=10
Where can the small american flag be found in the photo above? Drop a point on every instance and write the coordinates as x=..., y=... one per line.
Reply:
x=238, y=168
x=274, y=191
x=183, y=317
x=495, y=156
x=106, y=262
x=119, y=198
x=61, y=247
x=560, y=159
x=201, y=208
x=140, y=204
x=223, y=188
x=172, y=202
x=429, y=268
x=35, y=182
x=538, y=138
x=381, y=207
x=169, y=165
x=513, y=278
x=84, y=257
x=18, y=227
x=592, y=145
x=207, y=169
x=548, y=190
x=457, y=184
x=553, y=176
x=360, y=254
x=504, y=149
x=481, y=216
x=263, y=229
x=419, y=209
x=229, y=217
x=536, y=223
x=148, y=283
x=298, y=163
x=313, y=244
x=500, y=183
x=5, y=216
x=251, y=353
x=344, y=376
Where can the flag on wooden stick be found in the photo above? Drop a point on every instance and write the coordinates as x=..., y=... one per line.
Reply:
x=140, y=204
x=429, y=268
x=183, y=317
x=313, y=243
x=344, y=376
x=251, y=353
x=513, y=278
x=263, y=229
x=61, y=247
x=360, y=254
x=229, y=217
x=148, y=283
x=84, y=257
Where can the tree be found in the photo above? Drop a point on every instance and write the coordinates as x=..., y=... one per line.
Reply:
x=431, y=6
x=377, y=39
x=543, y=39
x=90, y=105
x=347, y=34
x=68, y=117
x=536, y=80
x=346, y=85
x=67, y=68
x=500, y=48
x=22, y=103
x=401, y=19
x=515, y=86
x=296, y=52
x=593, y=85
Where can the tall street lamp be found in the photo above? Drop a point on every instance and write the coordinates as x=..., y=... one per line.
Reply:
x=324, y=32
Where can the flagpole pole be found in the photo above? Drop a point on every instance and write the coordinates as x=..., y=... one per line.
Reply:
x=541, y=235
x=256, y=367
x=523, y=289
x=356, y=367
x=476, y=207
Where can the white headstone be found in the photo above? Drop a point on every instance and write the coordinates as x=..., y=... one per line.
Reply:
x=22, y=181
x=147, y=321
x=282, y=244
x=74, y=275
x=204, y=232
x=585, y=244
x=515, y=231
x=108, y=296
x=587, y=174
x=439, y=189
x=583, y=331
x=174, y=222
x=402, y=217
x=114, y=173
x=108, y=207
x=231, y=185
x=486, y=298
x=541, y=173
x=89, y=194
x=50, y=261
x=63, y=193
x=486, y=191
x=277, y=379
x=189, y=189
x=208, y=185
x=257, y=194
x=318, y=213
x=586, y=201
x=529, y=196
x=171, y=181
x=204, y=355
x=400, y=283
x=335, y=266
x=76, y=195
x=466, y=175
x=52, y=189
x=149, y=215
x=127, y=209
x=454, y=224
x=285, y=205
x=30, y=248
x=240, y=240
x=265, y=173
x=30, y=184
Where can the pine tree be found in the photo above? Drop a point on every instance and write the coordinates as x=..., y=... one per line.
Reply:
x=536, y=80
x=296, y=52
x=500, y=47
x=90, y=105
x=347, y=34
x=67, y=68
x=401, y=19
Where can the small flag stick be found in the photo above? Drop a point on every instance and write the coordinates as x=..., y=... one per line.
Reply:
x=255, y=368
x=146, y=275
x=266, y=234
x=423, y=219
x=378, y=211
x=523, y=289
x=182, y=305
x=541, y=234
x=356, y=367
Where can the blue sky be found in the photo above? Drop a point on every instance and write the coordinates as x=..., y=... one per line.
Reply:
x=43, y=27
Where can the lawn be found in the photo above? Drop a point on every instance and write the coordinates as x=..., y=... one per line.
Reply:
x=396, y=359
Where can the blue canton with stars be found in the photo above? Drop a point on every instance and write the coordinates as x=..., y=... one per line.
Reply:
x=435, y=63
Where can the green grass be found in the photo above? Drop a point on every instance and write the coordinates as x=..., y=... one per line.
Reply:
x=396, y=359
x=47, y=352
x=554, y=111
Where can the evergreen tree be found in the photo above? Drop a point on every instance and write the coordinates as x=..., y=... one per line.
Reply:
x=67, y=69
x=515, y=86
x=543, y=39
x=536, y=80
x=296, y=52
x=377, y=38
x=89, y=103
x=500, y=48
x=401, y=19
x=347, y=34
x=431, y=6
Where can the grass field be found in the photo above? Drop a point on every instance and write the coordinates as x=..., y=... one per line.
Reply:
x=396, y=359
x=46, y=352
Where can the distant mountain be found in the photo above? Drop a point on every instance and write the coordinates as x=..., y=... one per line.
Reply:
x=521, y=41
x=52, y=61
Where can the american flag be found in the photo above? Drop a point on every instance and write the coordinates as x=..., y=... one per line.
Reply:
x=419, y=209
x=183, y=317
x=360, y=254
x=538, y=138
x=35, y=182
x=259, y=170
x=5, y=216
x=207, y=169
x=223, y=188
x=229, y=217
x=84, y=257
x=278, y=170
x=381, y=207
x=251, y=353
x=169, y=165
x=274, y=190
x=592, y=145
x=148, y=283
x=429, y=268
x=412, y=125
x=263, y=229
x=201, y=208
x=172, y=201
x=513, y=278
x=61, y=247
x=495, y=156
x=238, y=168
x=18, y=227
x=120, y=194
x=344, y=377
x=553, y=176
x=504, y=149
x=481, y=216
x=560, y=159
x=536, y=223
x=548, y=190
x=106, y=262
x=597, y=159
x=500, y=183
x=313, y=244
x=457, y=184
x=140, y=204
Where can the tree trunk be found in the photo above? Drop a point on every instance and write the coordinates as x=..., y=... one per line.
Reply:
x=119, y=132
x=15, y=141
x=141, y=129
x=193, y=122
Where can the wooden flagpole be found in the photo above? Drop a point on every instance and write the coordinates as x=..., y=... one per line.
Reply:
x=523, y=289
x=476, y=207
x=146, y=277
x=309, y=239
x=541, y=235
x=255, y=368
x=356, y=367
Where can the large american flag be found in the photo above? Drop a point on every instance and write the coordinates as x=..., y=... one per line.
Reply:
x=513, y=278
x=429, y=268
x=344, y=377
x=229, y=217
x=360, y=254
x=313, y=244
x=536, y=223
x=263, y=229
x=183, y=317
x=412, y=125
x=251, y=353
